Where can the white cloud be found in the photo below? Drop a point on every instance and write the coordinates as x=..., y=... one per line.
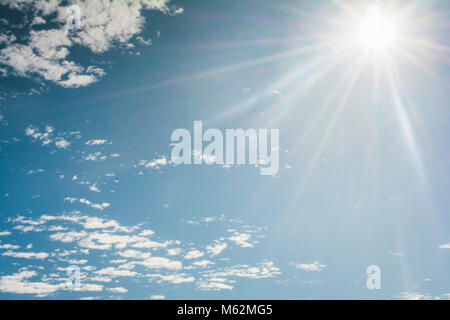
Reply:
x=193, y=254
x=94, y=188
x=241, y=239
x=44, y=137
x=96, y=156
x=89, y=287
x=444, y=246
x=216, y=249
x=5, y=233
x=115, y=272
x=211, y=285
x=47, y=136
x=7, y=38
x=26, y=255
x=17, y=283
x=173, y=251
x=202, y=263
x=160, y=262
x=35, y=171
x=9, y=246
x=118, y=290
x=266, y=269
x=98, y=206
x=100, y=279
x=103, y=23
x=146, y=233
x=398, y=254
x=70, y=236
x=173, y=278
x=78, y=80
x=96, y=142
x=315, y=266
x=38, y=20
x=126, y=251
x=143, y=41
x=218, y=279
x=76, y=261
x=414, y=296
x=62, y=144
x=99, y=223
x=157, y=297
x=155, y=163
x=131, y=253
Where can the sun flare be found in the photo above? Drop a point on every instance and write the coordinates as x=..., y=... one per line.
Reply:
x=377, y=31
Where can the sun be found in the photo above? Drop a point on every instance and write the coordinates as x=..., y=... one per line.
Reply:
x=377, y=31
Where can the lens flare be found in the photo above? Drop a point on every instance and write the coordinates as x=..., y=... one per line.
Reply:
x=377, y=31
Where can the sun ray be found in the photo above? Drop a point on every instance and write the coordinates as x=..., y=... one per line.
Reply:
x=347, y=8
x=215, y=71
x=404, y=121
x=426, y=43
x=349, y=80
x=291, y=100
x=295, y=76
x=422, y=66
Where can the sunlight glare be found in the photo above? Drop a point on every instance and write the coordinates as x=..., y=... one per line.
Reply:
x=377, y=31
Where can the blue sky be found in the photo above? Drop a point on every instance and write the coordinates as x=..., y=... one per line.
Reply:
x=86, y=177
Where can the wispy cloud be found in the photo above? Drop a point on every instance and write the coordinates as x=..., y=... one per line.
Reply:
x=315, y=266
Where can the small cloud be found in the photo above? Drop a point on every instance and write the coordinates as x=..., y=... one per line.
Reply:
x=35, y=171
x=155, y=163
x=98, y=206
x=9, y=246
x=246, y=90
x=62, y=144
x=143, y=41
x=202, y=263
x=96, y=156
x=26, y=255
x=96, y=142
x=216, y=249
x=173, y=251
x=193, y=254
x=118, y=290
x=17, y=283
x=241, y=239
x=315, y=266
x=398, y=254
x=405, y=295
x=276, y=92
x=38, y=20
x=94, y=188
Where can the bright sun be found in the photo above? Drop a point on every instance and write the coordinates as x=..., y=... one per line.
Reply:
x=377, y=31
